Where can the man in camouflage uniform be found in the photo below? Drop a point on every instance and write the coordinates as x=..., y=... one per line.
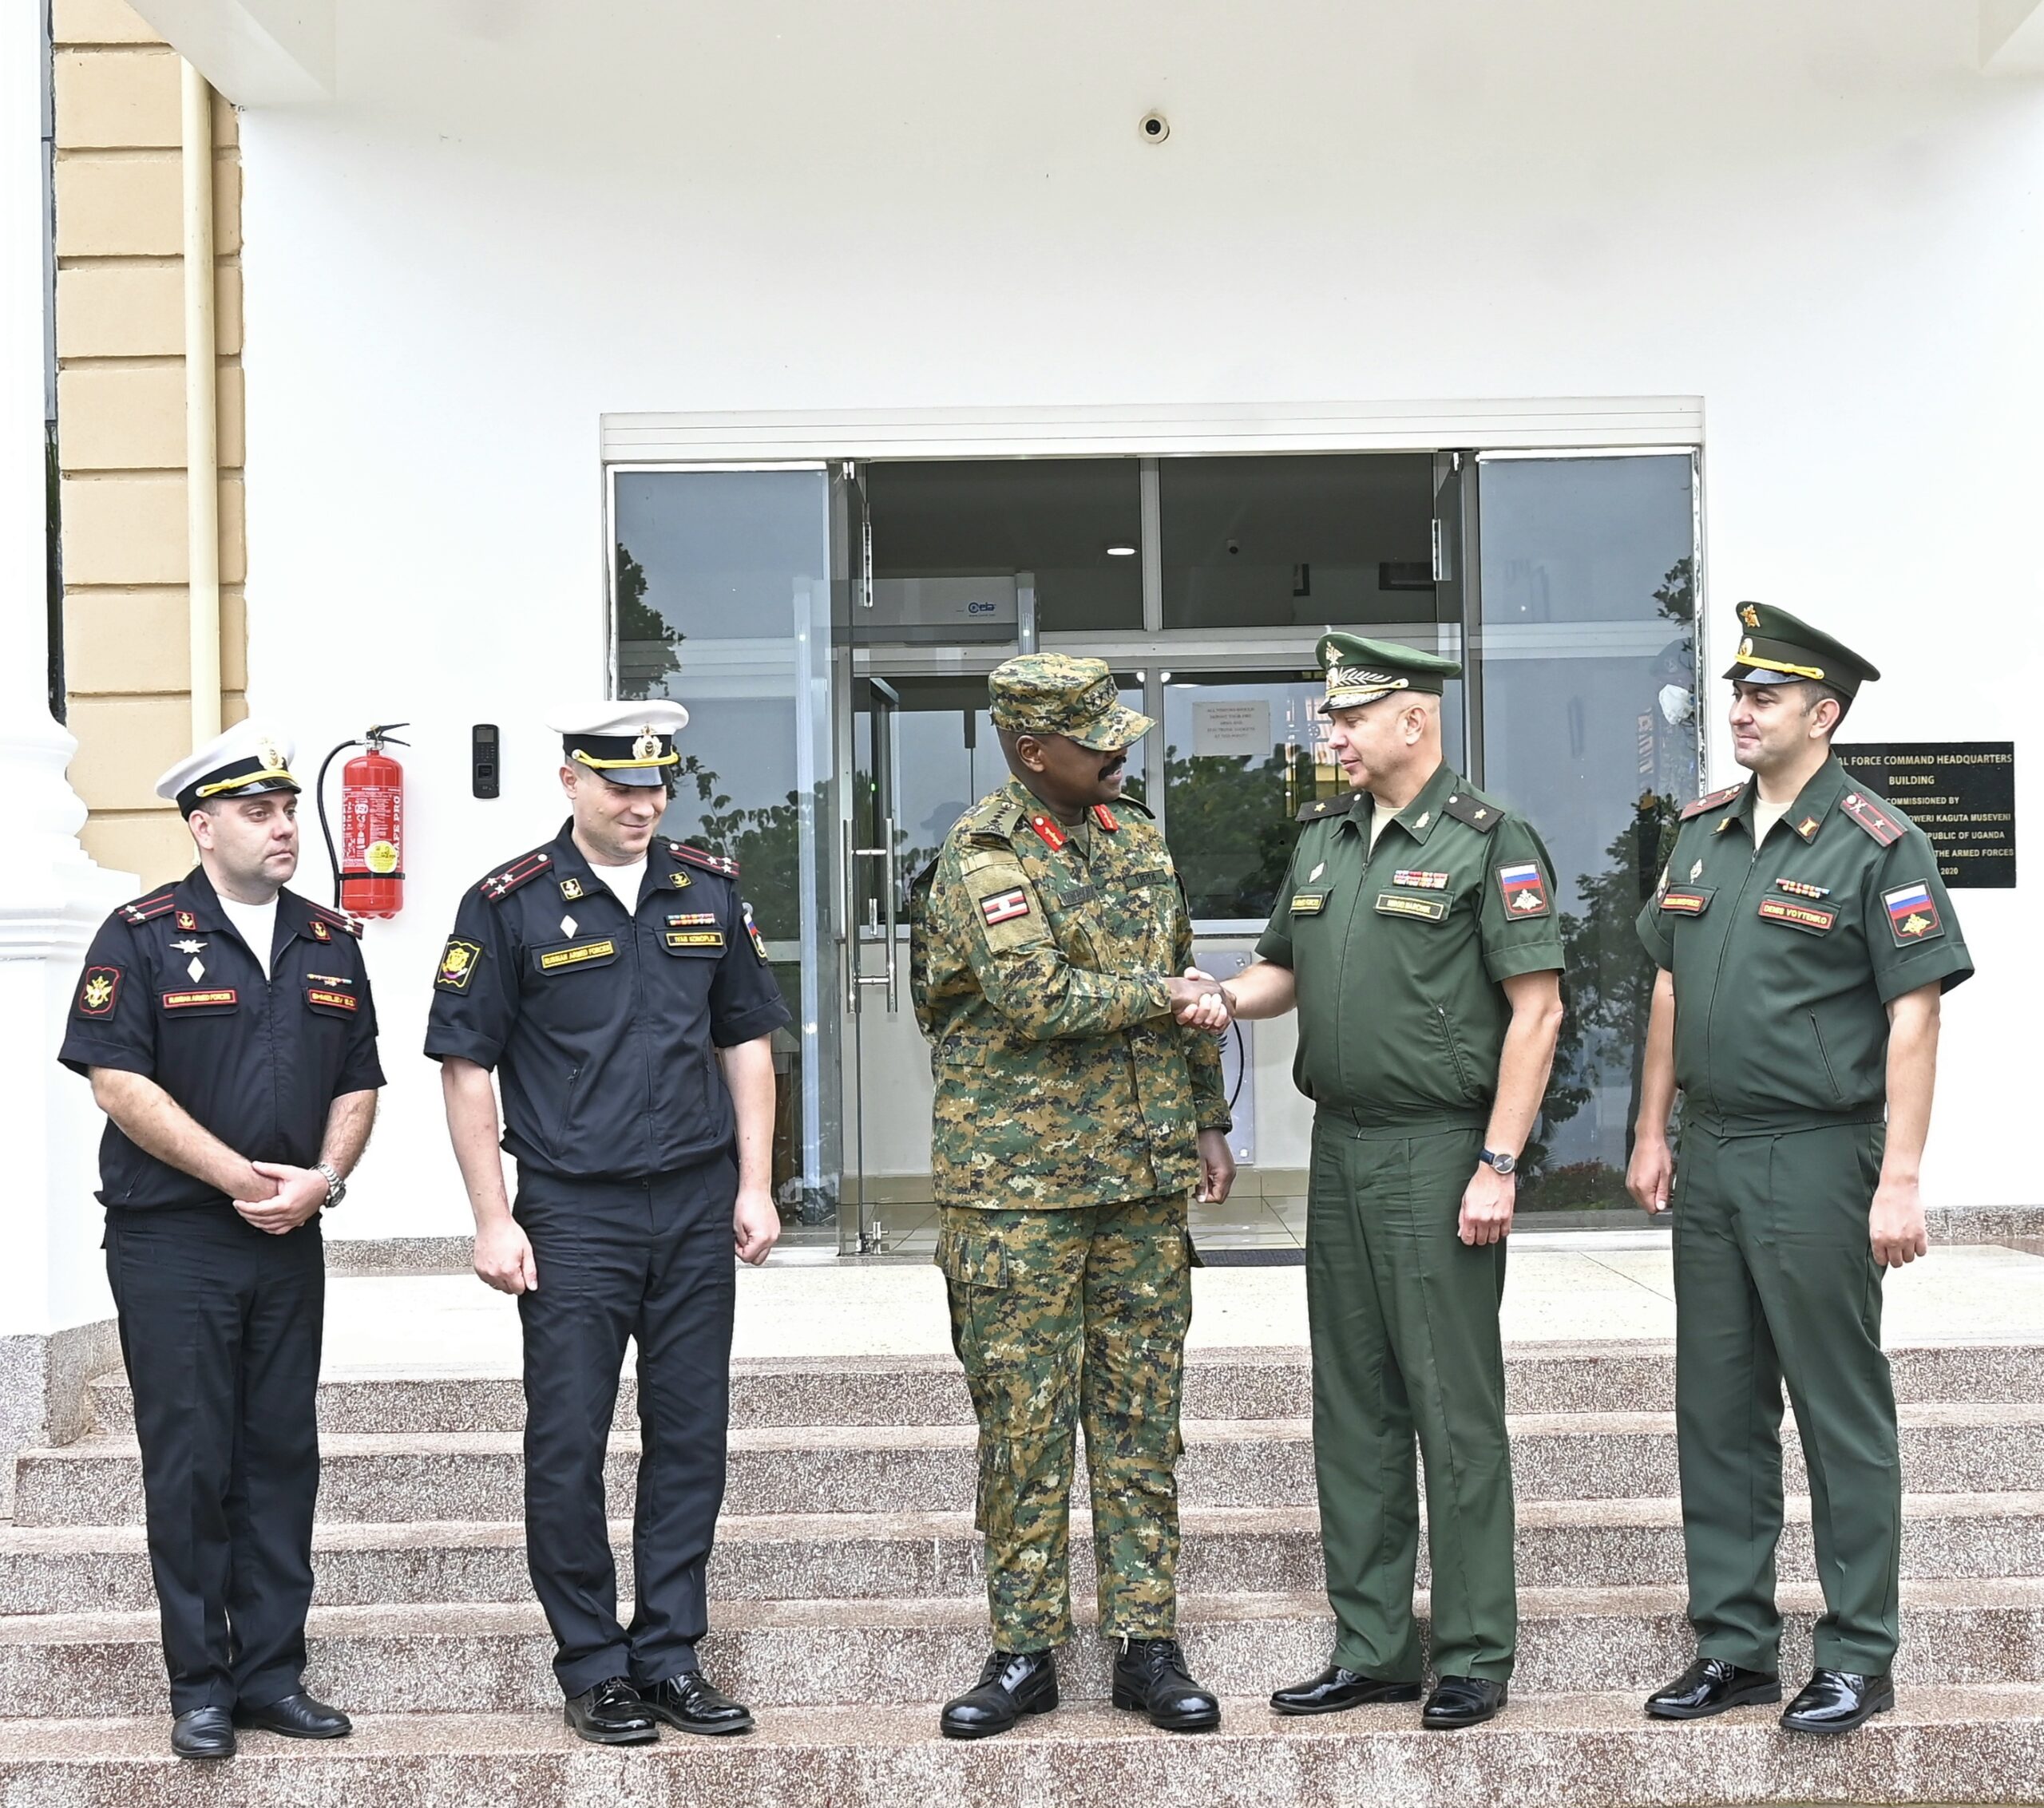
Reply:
x=1073, y=1116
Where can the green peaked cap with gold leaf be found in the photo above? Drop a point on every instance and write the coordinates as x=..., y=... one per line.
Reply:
x=1360, y=671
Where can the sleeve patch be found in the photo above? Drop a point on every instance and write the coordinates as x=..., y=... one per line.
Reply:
x=97, y=995
x=1525, y=891
x=1912, y=914
x=457, y=965
x=1004, y=907
x=759, y=940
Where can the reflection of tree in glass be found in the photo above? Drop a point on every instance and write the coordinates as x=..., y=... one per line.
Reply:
x=1608, y=982
x=1231, y=831
x=647, y=645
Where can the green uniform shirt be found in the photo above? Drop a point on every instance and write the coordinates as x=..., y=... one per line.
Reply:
x=1785, y=956
x=1400, y=955
x=1038, y=961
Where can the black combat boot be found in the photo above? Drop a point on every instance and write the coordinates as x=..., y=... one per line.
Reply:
x=1150, y=1678
x=1011, y=1683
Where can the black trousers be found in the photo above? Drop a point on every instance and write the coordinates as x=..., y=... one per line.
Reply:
x=219, y=1329
x=652, y=1261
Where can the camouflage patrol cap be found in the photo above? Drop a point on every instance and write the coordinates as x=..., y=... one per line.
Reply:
x=1359, y=671
x=1055, y=693
x=1775, y=648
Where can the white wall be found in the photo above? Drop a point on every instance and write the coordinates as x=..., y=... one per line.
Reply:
x=1817, y=217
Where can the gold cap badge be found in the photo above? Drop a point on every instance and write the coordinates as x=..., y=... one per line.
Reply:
x=1749, y=615
x=647, y=747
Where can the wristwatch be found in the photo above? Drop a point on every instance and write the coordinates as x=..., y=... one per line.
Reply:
x=1498, y=1163
x=337, y=1189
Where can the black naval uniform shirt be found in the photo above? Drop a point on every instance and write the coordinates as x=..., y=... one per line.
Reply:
x=603, y=1026
x=171, y=992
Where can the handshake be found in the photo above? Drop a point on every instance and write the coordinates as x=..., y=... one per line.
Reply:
x=1200, y=1001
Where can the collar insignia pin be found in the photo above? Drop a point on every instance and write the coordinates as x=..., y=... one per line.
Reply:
x=1696, y=871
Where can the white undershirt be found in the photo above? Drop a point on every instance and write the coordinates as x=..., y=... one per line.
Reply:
x=624, y=880
x=256, y=924
x=1766, y=815
x=1380, y=818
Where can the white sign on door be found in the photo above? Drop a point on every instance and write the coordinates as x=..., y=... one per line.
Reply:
x=1230, y=730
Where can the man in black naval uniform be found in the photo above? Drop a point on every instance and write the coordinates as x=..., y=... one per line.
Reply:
x=615, y=982
x=227, y=1028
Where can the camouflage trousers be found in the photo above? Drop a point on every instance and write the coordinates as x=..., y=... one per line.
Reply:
x=1063, y=1317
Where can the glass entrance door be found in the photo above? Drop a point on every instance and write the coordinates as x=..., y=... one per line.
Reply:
x=721, y=599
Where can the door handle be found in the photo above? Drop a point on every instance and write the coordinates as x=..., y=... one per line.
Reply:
x=890, y=977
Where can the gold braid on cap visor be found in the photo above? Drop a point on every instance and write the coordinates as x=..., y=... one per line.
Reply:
x=669, y=758
x=1747, y=656
x=268, y=774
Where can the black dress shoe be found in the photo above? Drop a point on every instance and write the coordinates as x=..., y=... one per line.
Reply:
x=1011, y=1683
x=205, y=1732
x=1462, y=1701
x=689, y=1704
x=611, y=1713
x=1835, y=1701
x=1150, y=1677
x=1336, y=1688
x=1710, y=1686
x=297, y=1716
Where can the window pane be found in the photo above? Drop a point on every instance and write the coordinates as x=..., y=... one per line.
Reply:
x=1297, y=542
x=1590, y=729
x=950, y=537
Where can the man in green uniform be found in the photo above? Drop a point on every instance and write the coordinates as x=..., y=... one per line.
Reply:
x=1804, y=939
x=1073, y=1117
x=1415, y=933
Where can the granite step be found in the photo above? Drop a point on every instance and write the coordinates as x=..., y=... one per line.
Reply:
x=489, y=1658
x=1946, y=1449
x=1939, y=1745
x=1251, y=1383
x=792, y=1556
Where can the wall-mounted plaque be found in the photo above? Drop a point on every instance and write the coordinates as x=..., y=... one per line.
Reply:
x=1961, y=793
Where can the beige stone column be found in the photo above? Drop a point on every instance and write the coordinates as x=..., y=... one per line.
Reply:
x=52, y=895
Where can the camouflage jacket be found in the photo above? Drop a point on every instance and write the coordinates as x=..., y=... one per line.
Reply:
x=1038, y=973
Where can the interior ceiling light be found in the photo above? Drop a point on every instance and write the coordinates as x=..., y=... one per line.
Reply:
x=1121, y=552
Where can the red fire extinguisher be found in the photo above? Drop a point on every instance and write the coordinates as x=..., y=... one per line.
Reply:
x=369, y=876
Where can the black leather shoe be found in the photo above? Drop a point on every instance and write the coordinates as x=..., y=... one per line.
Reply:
x=1710, y=1686
x=1150, y=1677
x=689, y=1704
x=1462, y=1701
x=1011, y=1683
x=611, y=1713
x=1336, y=1688
x=297, y=1716
x=1835, y=1701
x=205, y=1732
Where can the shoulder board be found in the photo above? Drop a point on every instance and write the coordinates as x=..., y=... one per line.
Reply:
x=1713, y=801
x=1323, y=807
x=992, y=819
x=1135, y=806
x=142, y=909
x=1474, y=809
x=703, y=858
x=500, y=885
x=1871, y=816
x=340, y=919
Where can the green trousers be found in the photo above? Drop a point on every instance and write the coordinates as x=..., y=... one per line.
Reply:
x=1404, y=1326
x=1775, y=1280
x=1062, y=1317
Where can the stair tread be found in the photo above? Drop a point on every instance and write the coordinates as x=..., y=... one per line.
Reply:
x=498, y=1618
x=102, y=1447
x=1245, y=1719
x=347, y=1535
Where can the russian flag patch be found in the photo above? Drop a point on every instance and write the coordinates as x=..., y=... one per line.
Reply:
x=1525, y=891
x=1912, y=916
x=1004, y=907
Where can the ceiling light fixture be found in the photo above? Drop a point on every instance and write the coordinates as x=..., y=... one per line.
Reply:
x=1121, y=552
